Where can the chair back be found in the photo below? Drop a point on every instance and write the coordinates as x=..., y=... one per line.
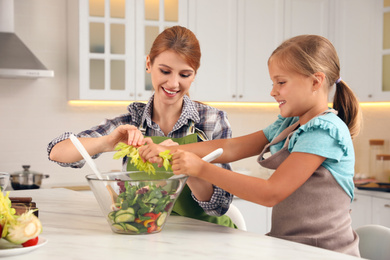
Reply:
x=235, y=215
x=374, y=242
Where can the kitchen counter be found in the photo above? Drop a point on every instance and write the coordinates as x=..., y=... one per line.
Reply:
x=76, y=229
x=378, y=194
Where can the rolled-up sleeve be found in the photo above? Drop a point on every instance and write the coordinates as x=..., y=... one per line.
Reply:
x=105, y=128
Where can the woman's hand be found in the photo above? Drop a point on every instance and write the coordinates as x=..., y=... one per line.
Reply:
x=127, y=134
x=187, y=163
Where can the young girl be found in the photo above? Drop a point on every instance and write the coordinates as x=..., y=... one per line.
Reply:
x=310, y=144
x=170, y=114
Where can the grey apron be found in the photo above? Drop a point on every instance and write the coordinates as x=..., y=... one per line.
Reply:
x=317, y=213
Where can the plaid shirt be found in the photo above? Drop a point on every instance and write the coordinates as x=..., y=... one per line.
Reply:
x=211, y=121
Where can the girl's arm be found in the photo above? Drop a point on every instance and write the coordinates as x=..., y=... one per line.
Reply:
x=233, y=148
x=287, y=178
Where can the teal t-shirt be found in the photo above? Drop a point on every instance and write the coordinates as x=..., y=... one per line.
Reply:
x=327, y=136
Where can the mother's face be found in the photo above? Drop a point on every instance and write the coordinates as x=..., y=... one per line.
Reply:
x=171, y=76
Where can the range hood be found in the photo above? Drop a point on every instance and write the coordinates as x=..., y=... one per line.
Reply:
x=16, y=60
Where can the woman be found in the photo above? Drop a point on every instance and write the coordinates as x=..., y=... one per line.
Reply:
x=169, y=115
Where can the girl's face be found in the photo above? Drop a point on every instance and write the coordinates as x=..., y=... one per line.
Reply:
x=171, y=76
x=297, y=94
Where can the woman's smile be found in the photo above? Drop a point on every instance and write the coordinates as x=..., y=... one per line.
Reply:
x=170, y=93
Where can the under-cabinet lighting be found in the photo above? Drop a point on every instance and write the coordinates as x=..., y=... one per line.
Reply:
x=375, y=104
x=122, y=103
x=216, y=104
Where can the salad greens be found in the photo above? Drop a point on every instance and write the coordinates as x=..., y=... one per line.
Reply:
x=142, y=208
x=133, y=153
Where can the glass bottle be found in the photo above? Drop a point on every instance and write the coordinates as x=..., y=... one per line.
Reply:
x=376, y=147
x=383, y=168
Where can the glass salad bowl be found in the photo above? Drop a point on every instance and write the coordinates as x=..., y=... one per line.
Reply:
x=4, y=180
x=136, y=202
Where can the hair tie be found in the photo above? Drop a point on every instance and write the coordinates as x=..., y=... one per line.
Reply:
x=338, y=80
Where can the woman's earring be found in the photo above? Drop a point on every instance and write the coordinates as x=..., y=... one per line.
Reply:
x=146, y=69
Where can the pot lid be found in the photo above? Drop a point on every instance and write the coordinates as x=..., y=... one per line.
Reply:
x=26, y=170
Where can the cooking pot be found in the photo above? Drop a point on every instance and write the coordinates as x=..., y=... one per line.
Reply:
x=27, y=179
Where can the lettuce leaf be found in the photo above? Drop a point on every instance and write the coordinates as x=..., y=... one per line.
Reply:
x=135, y=159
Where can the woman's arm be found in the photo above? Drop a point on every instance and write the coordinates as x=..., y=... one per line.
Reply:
x=66, y=152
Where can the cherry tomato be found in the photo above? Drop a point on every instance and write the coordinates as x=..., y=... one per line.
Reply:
x=152, y=215
x=31, y=242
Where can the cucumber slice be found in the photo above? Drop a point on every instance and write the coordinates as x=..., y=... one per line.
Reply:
x=125, y=217
x=125, y=211
x=161, y=219
x=118, y=227
x=131, y=227
x=135, y=227
x=111, y=215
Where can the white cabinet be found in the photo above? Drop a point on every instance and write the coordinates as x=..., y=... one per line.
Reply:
x=257, y=217
x=215, y=25
x=370, y=207
x=259, y=33
x=359, y=45
x=238, y=36
x=236, y=39
x=381, y=211
x=308, y=17
x=108, y=42
x=361, y=212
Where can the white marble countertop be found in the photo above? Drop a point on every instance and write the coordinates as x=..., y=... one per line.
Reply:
x=76, y=229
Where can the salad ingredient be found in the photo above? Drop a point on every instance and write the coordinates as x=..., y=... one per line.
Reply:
x=31, y=242
x=142, y=208
x=27, y=226
x=161, y=219
x=14, y=228
x=133, y=153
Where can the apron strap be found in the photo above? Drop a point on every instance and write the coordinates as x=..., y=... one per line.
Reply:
x=287, y=133
x=191, y=130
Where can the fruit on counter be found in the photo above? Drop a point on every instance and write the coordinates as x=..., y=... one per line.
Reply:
x=140, y=208
x=133, y=153
x=18, y=229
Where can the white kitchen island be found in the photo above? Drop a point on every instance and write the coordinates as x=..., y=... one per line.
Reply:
x=76, y=229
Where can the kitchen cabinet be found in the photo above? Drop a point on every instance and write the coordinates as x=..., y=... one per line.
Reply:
x=359, y=45
x=108, y=42
x=370, y=207
x=236, y=38
x=257, y=217
x=308, y=17
x=361, y=212
x=381, y=211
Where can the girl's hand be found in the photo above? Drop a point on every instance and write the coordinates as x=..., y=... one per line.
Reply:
x=150, y=151
x=168, y=142
x=127, y=134
x=187, y=163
